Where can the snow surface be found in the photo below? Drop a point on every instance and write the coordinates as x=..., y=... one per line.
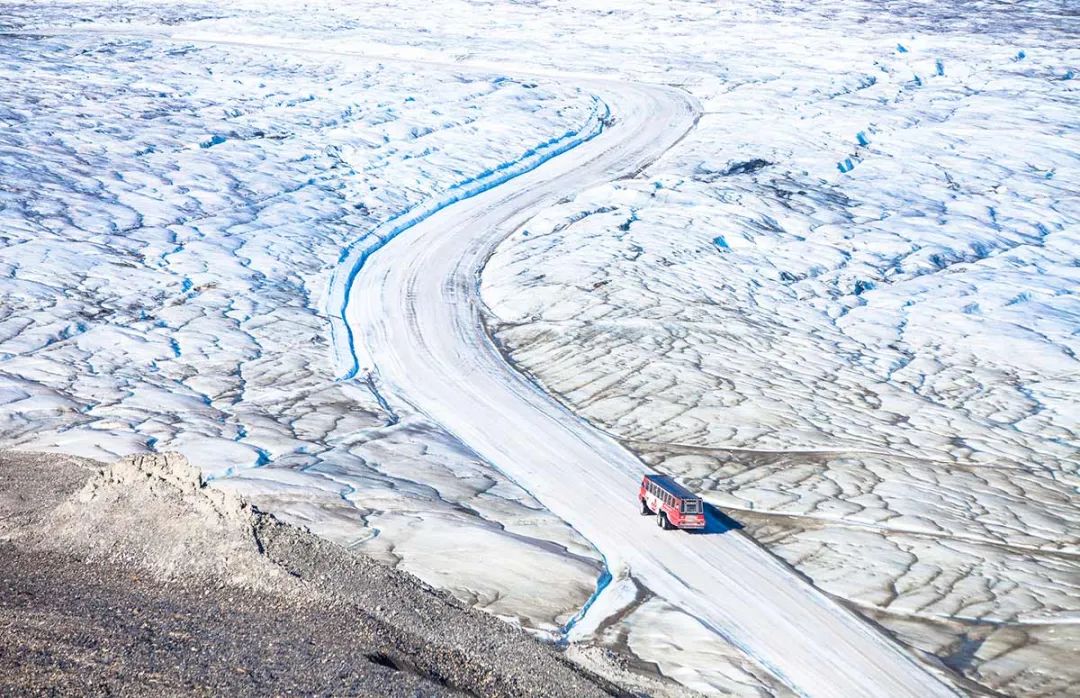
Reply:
x=420, y=291
x=844, y=307
x=852, y=326
x=164, y=271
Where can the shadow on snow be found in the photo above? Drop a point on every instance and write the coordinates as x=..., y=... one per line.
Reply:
x=716, y=522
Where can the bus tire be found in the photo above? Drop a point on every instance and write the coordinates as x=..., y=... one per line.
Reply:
x=645, y=510
x=662, y=521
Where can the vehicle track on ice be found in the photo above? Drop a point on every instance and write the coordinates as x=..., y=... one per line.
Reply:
x=415, y=319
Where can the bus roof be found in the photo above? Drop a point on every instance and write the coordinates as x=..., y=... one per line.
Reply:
x=674, y=488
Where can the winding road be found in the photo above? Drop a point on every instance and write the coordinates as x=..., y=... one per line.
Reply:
x=416, y=319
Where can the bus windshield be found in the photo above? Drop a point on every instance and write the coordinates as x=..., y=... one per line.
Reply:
x=691, y=506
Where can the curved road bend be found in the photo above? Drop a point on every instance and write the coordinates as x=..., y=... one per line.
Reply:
x=416, y=315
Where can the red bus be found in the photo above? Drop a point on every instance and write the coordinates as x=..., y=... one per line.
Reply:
x=674, y=505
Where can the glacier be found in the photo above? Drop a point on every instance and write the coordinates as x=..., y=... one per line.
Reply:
x=843, y=308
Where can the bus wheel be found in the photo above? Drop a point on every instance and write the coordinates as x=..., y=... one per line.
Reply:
x=662, y=522
x=645, y=510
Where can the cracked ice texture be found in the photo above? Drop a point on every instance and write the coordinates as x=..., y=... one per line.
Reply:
x=783, y=340
x=872, y=366
x=169, y=217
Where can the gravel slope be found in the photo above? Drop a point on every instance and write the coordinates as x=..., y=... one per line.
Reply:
x=137, y=577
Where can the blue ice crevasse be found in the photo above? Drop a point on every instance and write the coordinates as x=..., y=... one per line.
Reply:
x=721, y=243
x=601, y=583
x=900, y=48
x=845, y=166
x=940, y=65
x=861, y=138
x=1020, y=56
x=354, y=255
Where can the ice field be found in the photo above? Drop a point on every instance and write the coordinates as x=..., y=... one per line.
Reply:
x=164, y=271
x=843, y=307
x=853, y=326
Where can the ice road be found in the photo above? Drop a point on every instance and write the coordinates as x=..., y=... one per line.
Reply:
x=417, y=322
